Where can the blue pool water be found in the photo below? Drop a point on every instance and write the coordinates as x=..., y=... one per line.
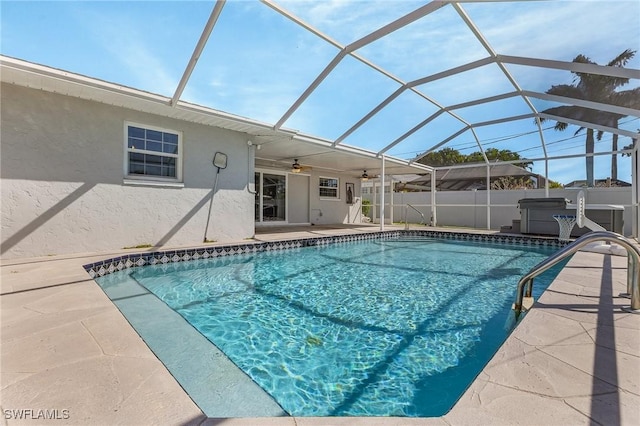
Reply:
x=387, y=327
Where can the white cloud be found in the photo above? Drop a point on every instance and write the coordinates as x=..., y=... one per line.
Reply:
x=598, y=29
x=119, y=37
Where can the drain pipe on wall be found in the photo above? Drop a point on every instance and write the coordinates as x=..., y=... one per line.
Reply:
x=219, y=161
x=251, y=177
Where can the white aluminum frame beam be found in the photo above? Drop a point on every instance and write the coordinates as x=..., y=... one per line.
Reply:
x=599, y=106
x=439, y=144
x=411, y=86
x=482, y=101
x=558, y=157
x=413, y=130
x=351, y=48
x=470, y=127
x=202, y=42
x=493, y=57
x=575, y=67
x=588, y=125
x=476, y=32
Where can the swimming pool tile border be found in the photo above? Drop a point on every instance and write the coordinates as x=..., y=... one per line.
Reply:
x=135, y=260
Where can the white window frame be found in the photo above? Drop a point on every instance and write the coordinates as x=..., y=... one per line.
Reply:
x=337, y=188
x=136, y=179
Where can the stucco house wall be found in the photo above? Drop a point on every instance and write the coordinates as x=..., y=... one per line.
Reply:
x=324, y=211
x=63, y=189
x=306, y=207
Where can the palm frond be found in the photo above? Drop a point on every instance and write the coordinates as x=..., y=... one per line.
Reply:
x=622, y=59
x=627, y=98
x=566, y=90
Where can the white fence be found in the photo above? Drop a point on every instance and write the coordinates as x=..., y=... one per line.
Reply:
x=469, y=208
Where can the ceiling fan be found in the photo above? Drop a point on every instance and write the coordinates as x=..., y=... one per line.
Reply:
x=296, y=167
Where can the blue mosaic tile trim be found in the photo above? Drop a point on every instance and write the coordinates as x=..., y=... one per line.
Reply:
x=134, y=260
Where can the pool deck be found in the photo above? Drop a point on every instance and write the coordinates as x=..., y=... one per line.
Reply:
x=66, y=349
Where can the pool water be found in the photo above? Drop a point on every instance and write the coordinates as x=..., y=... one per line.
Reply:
x=388, y=327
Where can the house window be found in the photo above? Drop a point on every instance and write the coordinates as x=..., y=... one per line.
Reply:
x=152, y=153
x=328, y=188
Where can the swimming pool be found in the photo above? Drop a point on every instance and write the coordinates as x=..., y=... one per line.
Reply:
x=383, y=327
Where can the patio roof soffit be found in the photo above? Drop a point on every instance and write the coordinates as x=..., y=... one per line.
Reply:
x=361, y=152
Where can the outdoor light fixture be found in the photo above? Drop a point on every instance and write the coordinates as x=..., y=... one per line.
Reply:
x=296, y=167
x=364, y=176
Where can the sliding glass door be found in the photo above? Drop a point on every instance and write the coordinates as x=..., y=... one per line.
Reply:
x=271, y=197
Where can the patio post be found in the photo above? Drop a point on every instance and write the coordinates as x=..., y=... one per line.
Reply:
x=374, y=202
x=382, y=196
x=391, y=200
x=433, y=198
x=488, y=197
x=546, y=178
x=635, y=193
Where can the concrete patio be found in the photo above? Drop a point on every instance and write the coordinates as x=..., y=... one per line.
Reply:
x=68, y=353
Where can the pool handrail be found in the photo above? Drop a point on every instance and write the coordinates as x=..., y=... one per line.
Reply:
x=633, y=269
x=406, y=221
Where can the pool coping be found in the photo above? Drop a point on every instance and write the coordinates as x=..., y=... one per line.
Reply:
x=532, y=369
x=138, y=259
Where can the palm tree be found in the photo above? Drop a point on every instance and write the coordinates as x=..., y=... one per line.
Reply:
x=597, y=88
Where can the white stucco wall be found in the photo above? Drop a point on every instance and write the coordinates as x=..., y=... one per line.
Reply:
x=62, y=180
x=329, y=211
x=321, y=211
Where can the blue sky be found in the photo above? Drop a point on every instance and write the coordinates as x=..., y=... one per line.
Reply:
x=257, y=63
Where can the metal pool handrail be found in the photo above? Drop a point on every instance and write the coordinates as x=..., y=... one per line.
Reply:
x=406, y=220
x=633, y=269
